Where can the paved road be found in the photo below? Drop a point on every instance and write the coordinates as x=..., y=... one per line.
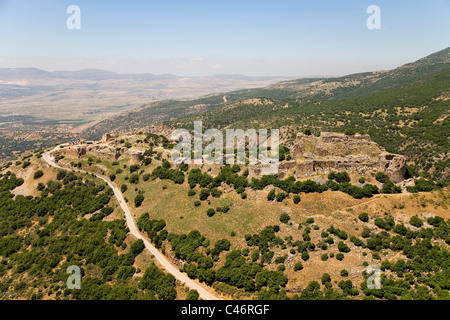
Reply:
x=204, y=294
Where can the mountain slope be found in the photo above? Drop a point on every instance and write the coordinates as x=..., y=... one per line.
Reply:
x=409, y=119
x=406, y=110
x=304, y=89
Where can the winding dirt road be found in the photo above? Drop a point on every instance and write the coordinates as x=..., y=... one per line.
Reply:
x=169, y=267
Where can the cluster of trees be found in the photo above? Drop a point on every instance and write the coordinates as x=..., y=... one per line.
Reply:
x=339, y=177
x=423, y=185
x=341, y=234
x=158, y=140
x=153, y=227
x=9, y=181
x=199, y=257
x=284, y=153
x=157, y=285
x=209, y=185
x=388, y=185
x=138, y=199
x=165, y=173
x=250, y=276
x=288, y=185
x=264, y=241
x=424, y=274
x=385, y=223
x=341, y=181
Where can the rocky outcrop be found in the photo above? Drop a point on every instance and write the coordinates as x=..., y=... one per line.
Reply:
x=136, y=156
x=339, y=152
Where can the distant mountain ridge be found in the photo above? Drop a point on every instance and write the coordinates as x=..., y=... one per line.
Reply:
x=99, y=74
x=349, y=86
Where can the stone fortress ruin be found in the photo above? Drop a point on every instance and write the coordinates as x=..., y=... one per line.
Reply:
x=331, y=151
x=312, y=156
x=107, y=148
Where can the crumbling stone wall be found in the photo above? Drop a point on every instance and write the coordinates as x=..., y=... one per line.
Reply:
x=339, y=152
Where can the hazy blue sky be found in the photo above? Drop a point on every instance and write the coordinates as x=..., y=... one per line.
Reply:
x=253, y=37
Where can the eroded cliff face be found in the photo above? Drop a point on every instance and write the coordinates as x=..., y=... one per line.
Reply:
x=339, y=152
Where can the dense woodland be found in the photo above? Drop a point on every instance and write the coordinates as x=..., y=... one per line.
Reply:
x=42, y=236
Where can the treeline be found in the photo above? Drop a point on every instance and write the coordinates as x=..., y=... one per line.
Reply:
x=230, y=175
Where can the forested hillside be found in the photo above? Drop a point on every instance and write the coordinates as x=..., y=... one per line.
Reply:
x=42, y=236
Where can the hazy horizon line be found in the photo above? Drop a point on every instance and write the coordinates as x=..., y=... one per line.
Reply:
x=309, y=76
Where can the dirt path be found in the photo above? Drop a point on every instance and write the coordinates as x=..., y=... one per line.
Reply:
x=168, y=266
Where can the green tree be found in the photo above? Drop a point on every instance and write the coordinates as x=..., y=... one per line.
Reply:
x=134, y=178
x=305, y=255
x=340, y=256
x=364, y=217
x=284, y=217
x=137, y=247
x=192, y=295
x=343, y=247
x=416, y=221
x=326, y=278
x=210, y=212
x=138, y=200
x=350, y=132
x=298, y=266
x=307, y=131
x=38, y=174
x=204, y=194
x=280, y=196
x=271, y=195
x=344, y=273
